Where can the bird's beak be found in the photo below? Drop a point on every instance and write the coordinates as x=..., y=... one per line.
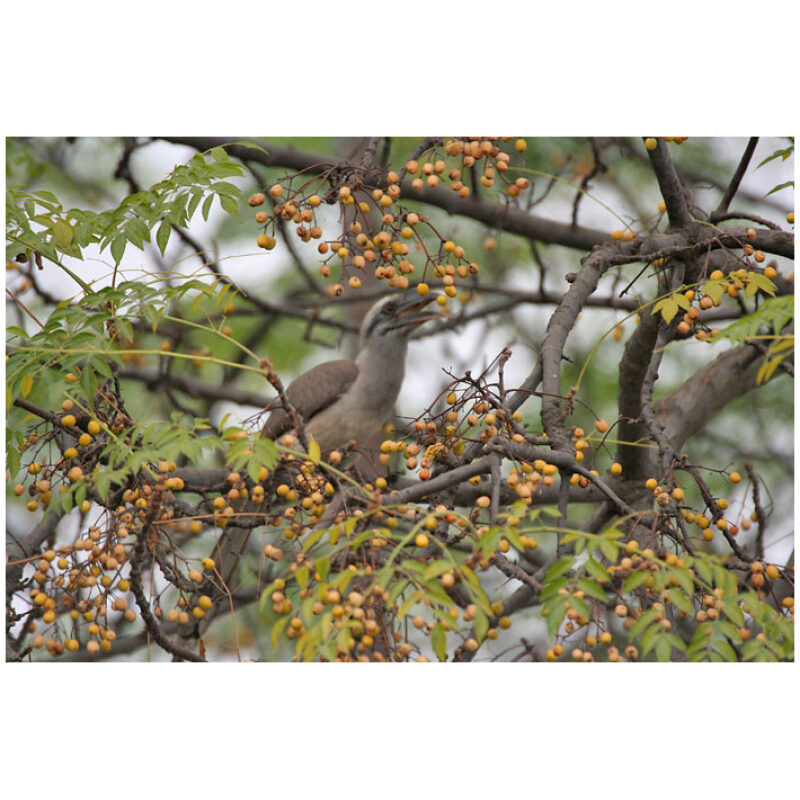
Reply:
x=412, y=314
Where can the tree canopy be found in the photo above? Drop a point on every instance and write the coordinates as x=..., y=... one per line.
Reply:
x=591, y=457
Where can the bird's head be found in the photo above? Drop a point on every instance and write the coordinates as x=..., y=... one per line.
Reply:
x=396, y=316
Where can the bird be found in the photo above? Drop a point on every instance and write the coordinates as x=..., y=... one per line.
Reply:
x=343, y=400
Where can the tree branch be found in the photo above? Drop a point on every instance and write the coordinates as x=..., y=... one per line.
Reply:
x=670, y=185
x=733, y=186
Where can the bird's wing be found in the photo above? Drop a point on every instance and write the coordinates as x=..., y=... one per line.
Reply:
x=310, y=393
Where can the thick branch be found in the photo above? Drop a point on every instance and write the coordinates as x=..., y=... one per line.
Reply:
x=687, y=410
x=670, y=185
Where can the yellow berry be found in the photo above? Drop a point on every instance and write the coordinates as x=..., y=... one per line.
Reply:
x=421, y=540
x=650, y=143
x=790, y=217
x=265, y=241
x=520, y=145
x=423, y=289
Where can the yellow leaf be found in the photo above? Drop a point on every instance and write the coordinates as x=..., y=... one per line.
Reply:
x=26, y=384
x=314, y=451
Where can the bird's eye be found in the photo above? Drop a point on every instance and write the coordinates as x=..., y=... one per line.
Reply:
x=389, y=308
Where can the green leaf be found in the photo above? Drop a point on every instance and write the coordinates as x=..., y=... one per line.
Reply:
x=558, y=569
x=782, y=153
x=223, y=187
x=251, y=145
x=597, y=570
x=219, y=155
x=277, y=629
x=481, y=625
x=323, y=567
x=439, y=642
x=314, y=452
x=635, y=579
x=780, y=186
x=49, y=196
x=162, y=236
x=644, y=620
x=551, y=589
x=88, y=381
x=207, y=206
x=436, y=568
x=609, y=549
x=732, y=611
x=558, y=610
x=723, y=647
x=407, y=605
x=579, y=604
x=513, y=538
x=62, y=233
x=680, y=600
x=229, y=204
x=715, y=289
x=488, y=542
x=668, y=308
x=703, y=570
x=684, y=580
x=118, y=247
x=26, y=385
x=591, y=588
x=663, y=649
x=13, y=459
x=676, y=642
